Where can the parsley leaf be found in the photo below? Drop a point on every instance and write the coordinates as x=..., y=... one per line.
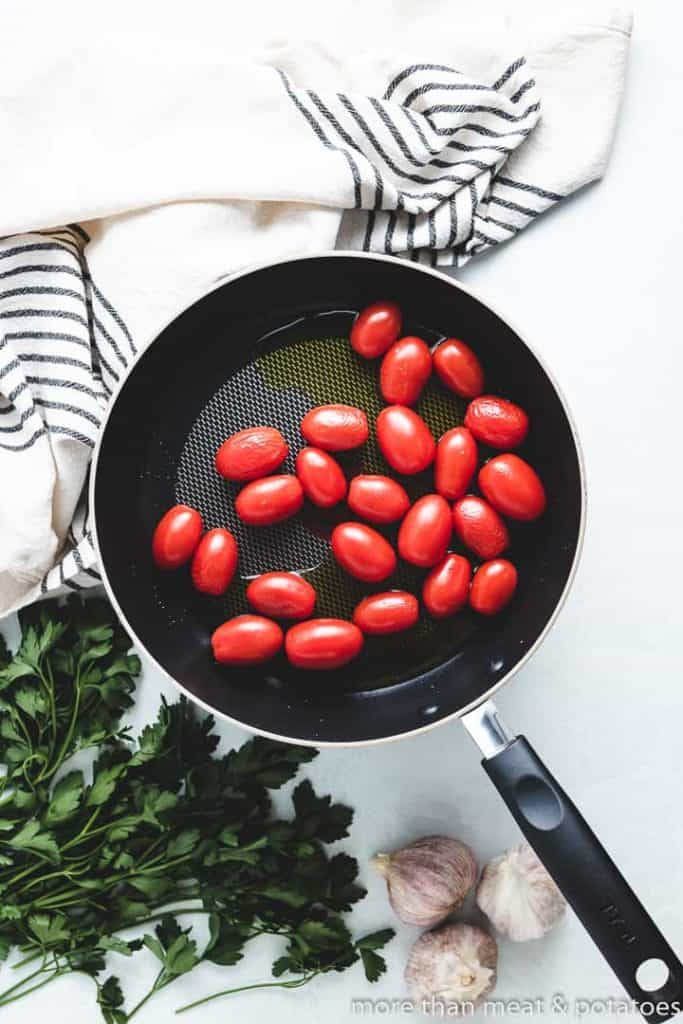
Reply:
x=31, y=839
x=318, y=816
x=48, y=928
x=110, y=999
x=65, y=799
x=373, y=964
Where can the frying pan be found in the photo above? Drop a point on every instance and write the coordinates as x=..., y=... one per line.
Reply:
x=262, y=349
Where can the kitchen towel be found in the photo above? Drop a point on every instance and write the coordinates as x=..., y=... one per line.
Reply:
x=170, y=168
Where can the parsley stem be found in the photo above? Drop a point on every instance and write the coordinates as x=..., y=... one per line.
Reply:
x=76, y=895
x=155, y=988
x=247, y=988
x=86, y=828
x=49, y=687
x=23, y=981
x=174, y=912
x=49, y=770
x=74, y=899
x=52, y=874
x=22, y=874
x=150, y=849
x=18, y=720
x=158, y=865
x=56, y=972
x=27, y=960
x=84, y=834
x=13, y=993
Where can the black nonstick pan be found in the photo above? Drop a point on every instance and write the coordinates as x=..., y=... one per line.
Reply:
x=262, y=349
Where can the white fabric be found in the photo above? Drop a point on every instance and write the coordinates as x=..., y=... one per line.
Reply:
x=184, y=162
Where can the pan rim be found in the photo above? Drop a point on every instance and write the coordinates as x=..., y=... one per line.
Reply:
x=552, y=619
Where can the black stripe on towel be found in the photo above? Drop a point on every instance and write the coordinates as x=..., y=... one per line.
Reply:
x=40, y=268
x=116, y=317
x=74, y=434
x=379, y=184
x=408, y=175
x=47, y=336
x=15, y=427
x=42, y=290
x=422, y=90
x=26, y=444
x=526, y=210
x=477, y=108
x=46, y=403
x=526, y=187
x=402, y=75
x=60, y=314
x=42, y=357
x=16, y=250
x=71, y=384
x=509, y=72
x=325, y=141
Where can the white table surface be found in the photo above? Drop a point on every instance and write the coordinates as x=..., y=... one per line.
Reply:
x=596, y=285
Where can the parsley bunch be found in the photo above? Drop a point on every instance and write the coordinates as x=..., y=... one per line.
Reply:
x=158, y=828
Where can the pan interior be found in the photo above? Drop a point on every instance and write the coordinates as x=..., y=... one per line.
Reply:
x=298, y=367
x=225, y=365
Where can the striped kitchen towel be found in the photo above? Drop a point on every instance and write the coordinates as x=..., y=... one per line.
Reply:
x=195, y=166
x=63, y=349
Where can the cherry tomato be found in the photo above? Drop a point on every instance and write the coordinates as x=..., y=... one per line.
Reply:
x=390, y=612
x=447, y=586
x=512, y=487
x=321, y=477
x=323, y=643
x=493, y=585
x=252, y=453
x=479, y=527
x=405, y=370
x=425, y=532
x=282, y=595
x=378, y=498
x=458, y=368
x=214, y=562
x=335, y=428
x=176, y=536
x=375, y=329
x=404, y=440
x=269, y=500
x=456, y=463
x=363, y=552
x=246, y=640
x=497, y=422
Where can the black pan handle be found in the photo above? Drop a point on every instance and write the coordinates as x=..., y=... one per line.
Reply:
x=605, y=904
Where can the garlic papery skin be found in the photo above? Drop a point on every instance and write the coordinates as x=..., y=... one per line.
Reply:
x=428, y=879
x=453, y=966
x=518, y=895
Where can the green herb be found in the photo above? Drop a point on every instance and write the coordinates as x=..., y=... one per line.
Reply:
x=157, y=829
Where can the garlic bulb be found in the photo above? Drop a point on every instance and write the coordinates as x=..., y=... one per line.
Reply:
x=518, y=895
x=454, y=966
x=428, y=879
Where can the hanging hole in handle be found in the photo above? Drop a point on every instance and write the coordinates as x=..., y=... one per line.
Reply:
x=652, y=975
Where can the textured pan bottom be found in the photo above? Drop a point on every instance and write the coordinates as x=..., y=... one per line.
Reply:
x=307, y=364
